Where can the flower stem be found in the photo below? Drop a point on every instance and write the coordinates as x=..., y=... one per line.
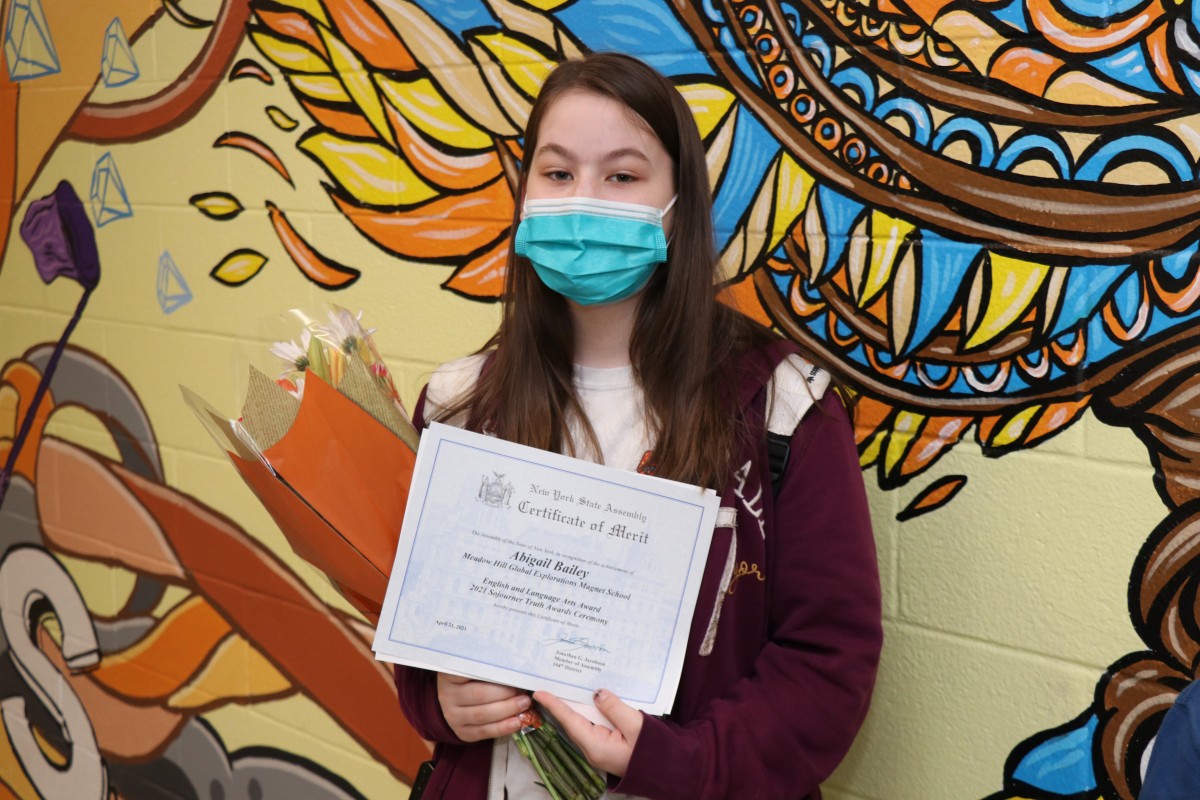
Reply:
x=526, y=749
x=586, y=777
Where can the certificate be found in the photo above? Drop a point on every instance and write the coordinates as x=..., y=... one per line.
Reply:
x=541, y=571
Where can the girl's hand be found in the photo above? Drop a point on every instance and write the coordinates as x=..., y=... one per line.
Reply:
x=609, y=750
x=478, y=710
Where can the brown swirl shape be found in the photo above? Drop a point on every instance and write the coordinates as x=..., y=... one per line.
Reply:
x=1155, y=389
x=1134, y=699
x=1048, y=220
x=1141, y=687
x=958, y=93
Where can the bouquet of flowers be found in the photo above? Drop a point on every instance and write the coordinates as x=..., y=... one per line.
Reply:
x=329, y=450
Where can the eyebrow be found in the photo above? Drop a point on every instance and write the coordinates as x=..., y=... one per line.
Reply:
x=559, y=150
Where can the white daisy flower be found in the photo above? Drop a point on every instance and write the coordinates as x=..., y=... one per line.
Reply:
x=295, y=356
x=345, y=330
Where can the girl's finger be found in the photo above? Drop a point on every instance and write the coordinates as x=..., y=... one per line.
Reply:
x=491, y=730
x=577, y=727
x=625, y=718
x=489, y=713
x=470, y=692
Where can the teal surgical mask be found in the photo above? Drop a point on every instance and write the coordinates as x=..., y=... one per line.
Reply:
x=592, y=251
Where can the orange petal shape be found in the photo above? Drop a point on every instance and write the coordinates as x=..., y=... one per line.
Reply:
x=896, y=371
x=800, y=304
x=454, y=172
x=985, y=428
x=1115, y=323
x=249, y=68
x=928, y=10
x=933, y=497
x=347, y=123
x=448, y=227
x=1072, y=354
x=292, y=25
x=316, y=267
x=256, y=147
x=361, y=26
x=780, y=266
x=1025, y=68
x=483, y=278
x=1160, y=58
x=1056, y=417
x=1024, y=427
x=935, y=437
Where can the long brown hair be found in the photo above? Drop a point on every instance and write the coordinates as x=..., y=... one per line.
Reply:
x=683, y=338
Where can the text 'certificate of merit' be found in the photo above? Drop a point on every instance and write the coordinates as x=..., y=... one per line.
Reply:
x=541, y=571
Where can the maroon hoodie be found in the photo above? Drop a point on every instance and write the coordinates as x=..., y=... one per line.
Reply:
x=774, y=705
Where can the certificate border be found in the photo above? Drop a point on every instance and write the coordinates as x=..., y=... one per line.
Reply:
x=578, y=473
x=706, y=503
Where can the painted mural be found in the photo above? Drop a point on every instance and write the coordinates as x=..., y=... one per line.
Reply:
x=986, y=212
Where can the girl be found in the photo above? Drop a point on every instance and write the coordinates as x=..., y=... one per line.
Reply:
x=613, y=347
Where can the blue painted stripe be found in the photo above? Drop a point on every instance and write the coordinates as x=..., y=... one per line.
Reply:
x=752, y=152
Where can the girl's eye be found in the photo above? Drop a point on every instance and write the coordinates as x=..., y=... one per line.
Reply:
x=558, y=175
x=622, y=177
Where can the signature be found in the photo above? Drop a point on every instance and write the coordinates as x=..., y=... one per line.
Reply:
x=574, y=643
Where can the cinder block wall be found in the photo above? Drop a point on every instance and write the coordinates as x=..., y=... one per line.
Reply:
x=1005, y=607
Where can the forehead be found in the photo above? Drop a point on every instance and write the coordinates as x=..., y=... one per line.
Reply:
x=588, y=122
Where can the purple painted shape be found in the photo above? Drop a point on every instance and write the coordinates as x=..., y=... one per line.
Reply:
x=59, y=233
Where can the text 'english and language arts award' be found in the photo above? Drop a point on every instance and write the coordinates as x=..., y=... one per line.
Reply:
x=542, y=571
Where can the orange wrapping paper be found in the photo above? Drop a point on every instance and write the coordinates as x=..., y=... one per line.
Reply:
x=340, y=492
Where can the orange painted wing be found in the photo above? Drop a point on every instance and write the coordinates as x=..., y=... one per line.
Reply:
x=309, y=644
x=454, y=226
x=268, y=605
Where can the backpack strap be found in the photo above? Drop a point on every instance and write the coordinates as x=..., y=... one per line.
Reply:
x=795, y=386
x=778, y=450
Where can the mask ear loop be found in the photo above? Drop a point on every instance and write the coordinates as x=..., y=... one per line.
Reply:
x=663, y=213
x=668, y=207
x=524, y=204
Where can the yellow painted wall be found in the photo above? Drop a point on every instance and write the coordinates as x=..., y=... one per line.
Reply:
x=1003, y=609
